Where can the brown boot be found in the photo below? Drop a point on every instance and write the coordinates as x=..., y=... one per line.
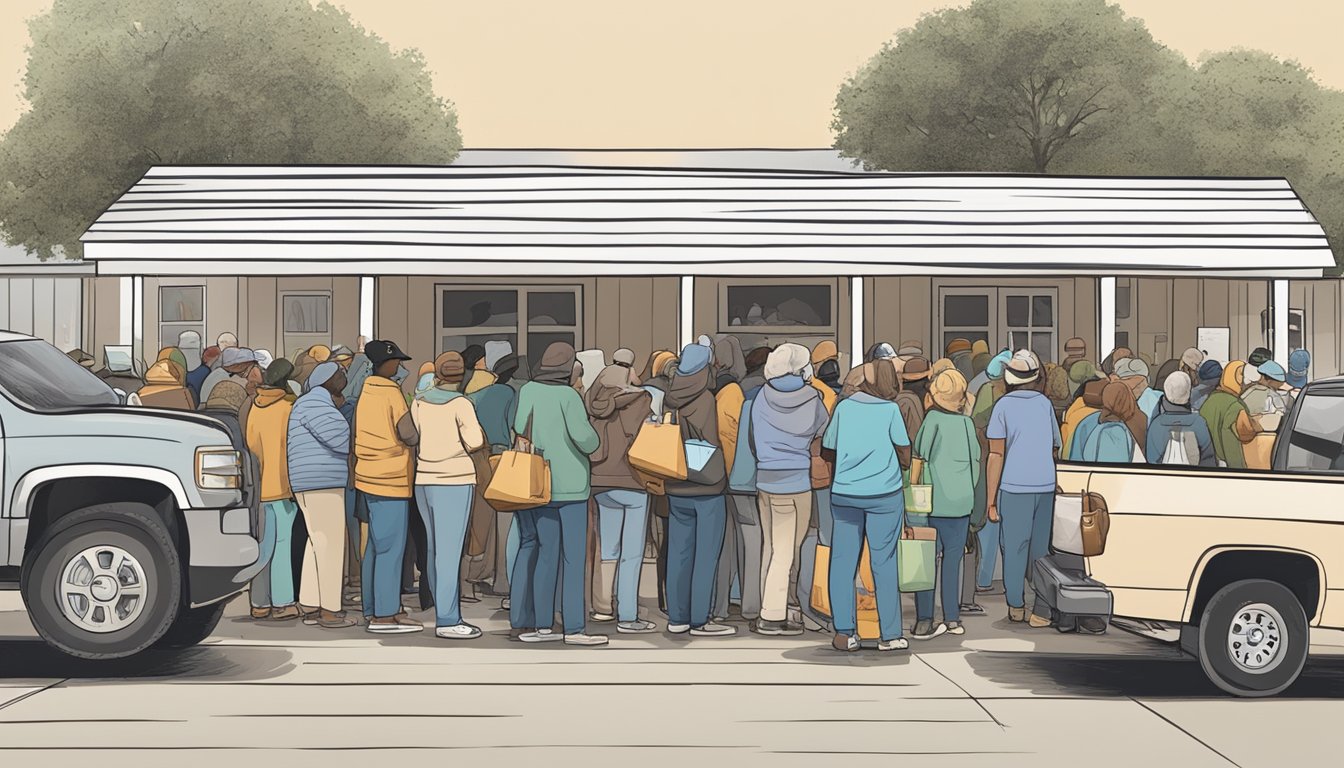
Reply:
x=334, y=620
x=261, y=613
x=1017, y=615
x=284, y=614
x=845, y=643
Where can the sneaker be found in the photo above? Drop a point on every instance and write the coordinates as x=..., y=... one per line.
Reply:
x=601, y=618
x=393, y=625
x=927, y=630
x=1092, y=625
x=333, y=620
x=308, y=613
x=1038, y=622
x=777, y=628
x=971, y=609
x=636, y=627
x=713, y=629
x=541, y=636
x=811, y=625
x=504, y=604
x=678, y=629
x=954, y=628
x=845, y=643
x=983, y=590
x=899, y=644
x=261, y=613
x=458, y=632
x=1017, y=615
x=585, y=639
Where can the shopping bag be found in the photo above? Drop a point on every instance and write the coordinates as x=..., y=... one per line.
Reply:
x=1066, y=530
x=522, y=478
x=916, y=558
x=659, y=450
x=821, y=581
x=705, y=464
x=918, y=499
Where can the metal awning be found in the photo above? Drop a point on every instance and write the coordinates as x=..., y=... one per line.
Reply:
x=569, y=220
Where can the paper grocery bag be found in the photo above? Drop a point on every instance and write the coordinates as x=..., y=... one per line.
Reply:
x=659, y=450
x=521, y=481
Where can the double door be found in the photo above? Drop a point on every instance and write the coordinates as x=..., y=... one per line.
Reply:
x=1018, y=318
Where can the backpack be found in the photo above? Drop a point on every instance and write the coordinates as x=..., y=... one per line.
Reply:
x=1111, y=443
x=1182, y=448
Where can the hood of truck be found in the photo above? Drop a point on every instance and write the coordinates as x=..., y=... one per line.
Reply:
x=122, y=423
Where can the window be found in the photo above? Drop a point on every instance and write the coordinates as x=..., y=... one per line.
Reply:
x=1297, y=324
x=529, y=319
x=1124, y=299
x=1317, y=441
x=307, y=314
x=780, y=308
x=1029, y=319
x=1022, y=318
x=181, y=309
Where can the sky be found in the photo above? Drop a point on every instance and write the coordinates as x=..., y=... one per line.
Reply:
x=702, y=73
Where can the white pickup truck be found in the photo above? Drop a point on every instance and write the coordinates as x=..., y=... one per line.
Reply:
x=1240, y=562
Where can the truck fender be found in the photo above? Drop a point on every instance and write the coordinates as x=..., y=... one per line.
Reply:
x=1192, y=589
x=34, y=479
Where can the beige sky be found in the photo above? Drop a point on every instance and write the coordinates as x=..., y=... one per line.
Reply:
x=702, y=73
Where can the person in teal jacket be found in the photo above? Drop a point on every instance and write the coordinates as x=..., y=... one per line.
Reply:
x=554, y=537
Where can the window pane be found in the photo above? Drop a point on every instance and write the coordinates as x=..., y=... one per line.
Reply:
x=307, y=314
x=1315, y=444
x=1042, y=311
x=971, y=336
x=1018, y=307
x=961, y=311
x=1043, y=344
x=182, y=305
x=780, y=305
x=470, y=309
x=1122, y=301
x=1122, y=339
x=1018, y=340
x=551, y=308
x=459, y=342
x=538, y=342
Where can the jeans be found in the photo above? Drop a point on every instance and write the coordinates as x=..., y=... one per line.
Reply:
x=880, y=520
x=523, y=573
x=950, y=547
x=279, y=573
x=445, y=510
x=553, y=540
x=380, y=575
x=825, y=519
x=622, y=517
x=1025, y=522
x=695, y=527
x=259, y=590
x=988, y=539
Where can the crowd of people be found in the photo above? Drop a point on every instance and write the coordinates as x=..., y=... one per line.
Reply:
x=369, y=476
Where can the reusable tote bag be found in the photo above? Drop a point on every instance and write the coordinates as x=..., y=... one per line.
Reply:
x=916, y=557
x=522, y=478
x=918, y=496
x=659, y=450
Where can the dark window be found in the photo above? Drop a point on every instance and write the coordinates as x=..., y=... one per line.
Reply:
x=1123, y=303
x=40, y=377
x=780, y=306
x=308, y=314
x=473, y=309
x=1318, y=435
x=961, y=311
x=545, y=308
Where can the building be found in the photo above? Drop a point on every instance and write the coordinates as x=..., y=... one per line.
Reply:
x=43, y=298
x=649, y=256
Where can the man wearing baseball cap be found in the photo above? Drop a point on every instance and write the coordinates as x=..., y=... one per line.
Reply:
x=1023, y=440
x=383, y=476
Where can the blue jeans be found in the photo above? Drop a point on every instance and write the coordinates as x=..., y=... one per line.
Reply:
x=445, y=510
x=825, y=519
x=380, y=575
x=950, y=547
x=557, y=535
x=622, y=517
x=523, y=572
x=695, y=526
x=1025, y=522
x=274, y=586
x=259, y=591
x=988, y=537
x=879, y=519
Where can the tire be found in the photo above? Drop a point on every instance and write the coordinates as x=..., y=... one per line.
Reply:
x=121, y=553
x=1236, y=658
x=192, y=626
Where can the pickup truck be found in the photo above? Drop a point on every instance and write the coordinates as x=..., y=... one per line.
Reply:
x=1238, y=562
x=124, y=528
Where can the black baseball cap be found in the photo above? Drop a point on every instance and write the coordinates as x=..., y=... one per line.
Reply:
x=380, y=352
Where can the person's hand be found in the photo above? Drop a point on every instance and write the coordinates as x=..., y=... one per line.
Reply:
x=909, y=532
x=993, y=513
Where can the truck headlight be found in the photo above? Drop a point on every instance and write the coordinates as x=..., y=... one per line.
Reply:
x=219, y=468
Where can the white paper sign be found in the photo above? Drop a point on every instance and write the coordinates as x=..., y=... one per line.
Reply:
x=1215, y=343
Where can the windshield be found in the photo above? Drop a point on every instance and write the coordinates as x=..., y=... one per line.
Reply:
x=40, y=377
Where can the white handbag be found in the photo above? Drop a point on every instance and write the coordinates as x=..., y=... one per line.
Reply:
x=1066, y=535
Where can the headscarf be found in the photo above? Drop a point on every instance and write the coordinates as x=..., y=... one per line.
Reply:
x=1176, y=388
x=557, y=364
x=190, y=344
x=320, y=375
x=166, y=373
x=880, y=351
x=611, y=391
x=879, y=380
x=1231, y=381
x=1118, y=404
x=1191, y=358
x=174, y=354
x=694, y=358
x=1082, y=371
x=787, y=359
x=948, y=390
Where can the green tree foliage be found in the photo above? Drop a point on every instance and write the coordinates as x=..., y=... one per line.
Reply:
x=116, y=87
x=962, y=90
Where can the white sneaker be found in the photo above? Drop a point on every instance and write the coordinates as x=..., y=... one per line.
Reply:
x=899, y=644
x=678, y=629
x=541, y=636
x=504, y=604
x=955, y=628
x=637, y=627
x=585, y=639
x=602, y=618
x=458, y=632
x=713, y=630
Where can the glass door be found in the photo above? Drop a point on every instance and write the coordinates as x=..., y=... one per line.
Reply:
x=1019, y=318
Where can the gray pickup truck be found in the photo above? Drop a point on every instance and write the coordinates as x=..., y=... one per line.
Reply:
x=124, y=528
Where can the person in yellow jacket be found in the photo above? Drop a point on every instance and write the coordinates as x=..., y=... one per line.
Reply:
x=826, y=373
x=383, y=476
x=267, y=433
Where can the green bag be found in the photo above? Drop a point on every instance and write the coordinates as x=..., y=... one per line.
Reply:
x=916, y=560
x=918, y=499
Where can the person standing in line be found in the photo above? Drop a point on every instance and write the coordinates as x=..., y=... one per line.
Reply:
x=950, y=452
x=383, y=466
x=1178, y=432
x=786, y=416
x=1209, y=375
x=1133, y=372
x=1267, y=403
x=1023, y=442
x=1299, y=370
x=1229, y=422
x=189, y=343
x=741, y=500
x=1075, y=349
x=867, y=442
x=441, y=424
x=318, y=458
x=496, y=407
x=617, y=408
x=696, y=511
x=826, y=354
x=553, y=539
x=267, y=433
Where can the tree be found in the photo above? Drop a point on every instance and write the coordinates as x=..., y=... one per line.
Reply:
x=1003, y=86
x=115, y=88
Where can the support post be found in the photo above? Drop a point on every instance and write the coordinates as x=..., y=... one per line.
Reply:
x=687, y=310
x=138, y=321
x=857, y=344
x=1105, y=317
x=368, y=294
x=1279, y=316
x=126, y=302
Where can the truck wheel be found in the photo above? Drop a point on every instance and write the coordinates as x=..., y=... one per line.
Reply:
x=103, y=582
x=192, y=626
x=1253, y=638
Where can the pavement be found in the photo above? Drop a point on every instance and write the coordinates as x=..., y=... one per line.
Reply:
x=1001, y=695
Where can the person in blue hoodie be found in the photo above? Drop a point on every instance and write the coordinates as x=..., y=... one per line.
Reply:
x=787, y=415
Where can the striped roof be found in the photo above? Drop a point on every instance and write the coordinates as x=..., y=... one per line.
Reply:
x=572, y=220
